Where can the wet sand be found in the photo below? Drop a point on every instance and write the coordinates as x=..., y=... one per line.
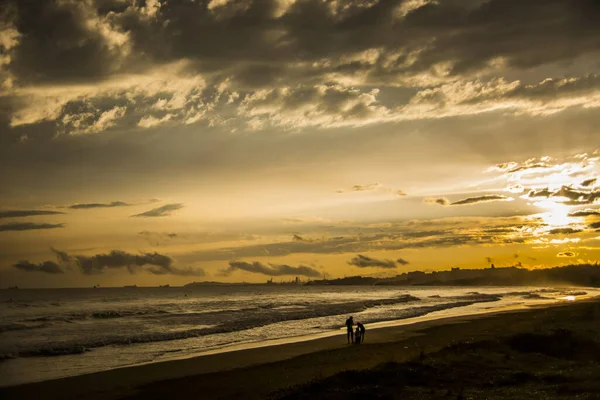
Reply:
x=282, y=370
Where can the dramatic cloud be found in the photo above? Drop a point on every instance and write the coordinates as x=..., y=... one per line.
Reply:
x=480, y=199
x=133, y=64
x=567, y=195
x=364, y=262
x=402, y=261
x=391, y=237
x=555, y=179
x=563, y=231
x=48, y=267
x=26, y=213
x=28, y=226
x=116, y=37
x=163, y=211
x=585, y=213
x=595, y=225
x=329, y=105
x=98, y=205
x=248, y=100
x=535, y=171
x=154, y=263
x=271, y=269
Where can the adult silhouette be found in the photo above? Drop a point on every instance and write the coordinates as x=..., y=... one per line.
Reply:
x=362, y=330
x=349, y=326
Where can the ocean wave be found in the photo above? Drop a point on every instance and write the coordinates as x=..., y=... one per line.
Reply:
x=54, y=351
x=104, y=314
x=234, y=321
x=241, y=320
x=419, y=311
x=19, y=327
x=263, y=314
x=107, y=314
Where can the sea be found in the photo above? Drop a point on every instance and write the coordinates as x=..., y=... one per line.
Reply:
x=54, y=333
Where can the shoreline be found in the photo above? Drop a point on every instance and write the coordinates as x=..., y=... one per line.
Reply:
x=432, y=316
x=442, y=314
x=125, y=381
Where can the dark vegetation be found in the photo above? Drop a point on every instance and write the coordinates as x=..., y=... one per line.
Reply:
x=579, y=275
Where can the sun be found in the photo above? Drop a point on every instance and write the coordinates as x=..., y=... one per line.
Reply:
x=558, y=216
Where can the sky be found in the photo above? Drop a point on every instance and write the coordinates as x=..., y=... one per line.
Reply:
x=164, y=142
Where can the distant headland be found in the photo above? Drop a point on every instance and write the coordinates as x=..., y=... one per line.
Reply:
x=574, y=275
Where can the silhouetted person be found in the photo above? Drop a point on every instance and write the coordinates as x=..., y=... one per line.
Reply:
x=349, y=327
x=357, y=336
x=362, y=329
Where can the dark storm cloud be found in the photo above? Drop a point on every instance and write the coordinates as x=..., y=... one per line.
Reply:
x=271, y=269
x=26, y=213
x=465, y=32
x=249, y=38
x=99, y=205
x=469, y=34
x=585, y=213
x=365, y=262
x=269, y=60
x=479, y=199
x=402, y=261
x=154, y=263
x=162, y=211
x=28, y=226
x=595, y=225
x=48, y=267
x=58, y=42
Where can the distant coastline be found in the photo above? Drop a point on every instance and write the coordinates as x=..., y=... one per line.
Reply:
x=575, y=275
x=568, y=275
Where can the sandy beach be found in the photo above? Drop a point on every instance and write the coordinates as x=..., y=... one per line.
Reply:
x=278, y=370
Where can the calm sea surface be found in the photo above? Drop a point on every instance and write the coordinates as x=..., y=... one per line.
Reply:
x=52, y=333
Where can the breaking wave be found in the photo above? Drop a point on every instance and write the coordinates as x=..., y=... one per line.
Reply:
x=243, y=319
